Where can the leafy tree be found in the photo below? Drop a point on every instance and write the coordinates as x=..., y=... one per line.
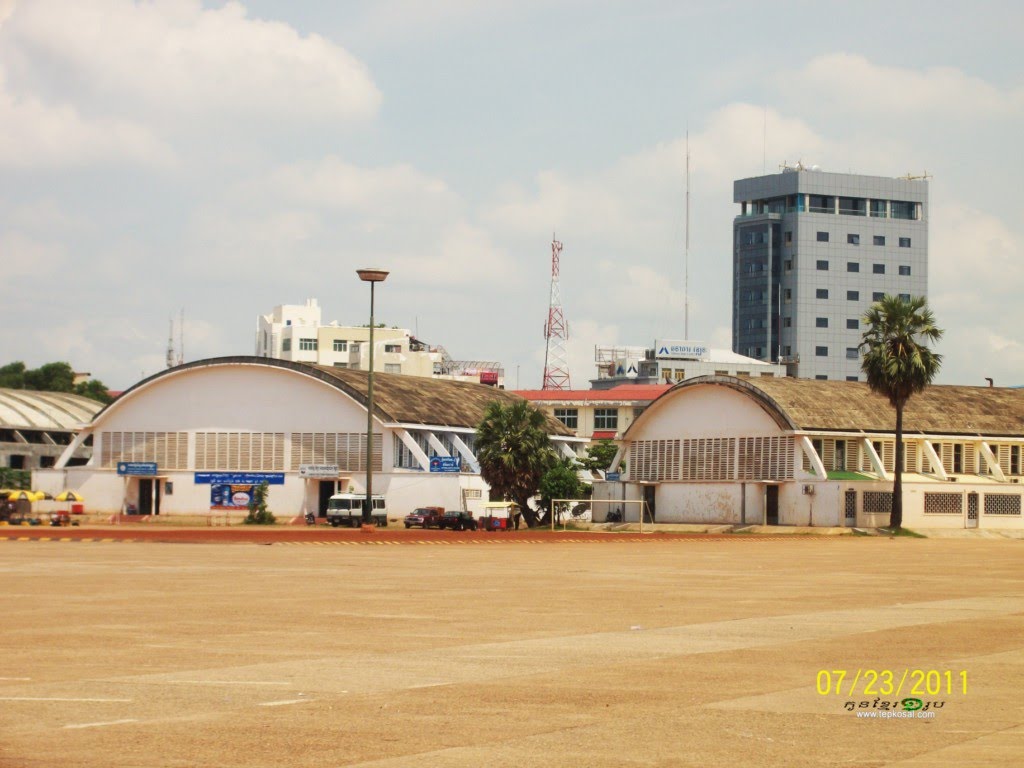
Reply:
x=599, y=455
x=258, y=512
x=514, y=451
x=12, y=376
x=15, y=479
x=898, y=364
x=51, y=377
x=94, y=389
x=562, y=481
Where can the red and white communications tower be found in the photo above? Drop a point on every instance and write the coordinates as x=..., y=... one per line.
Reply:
x=556, y=331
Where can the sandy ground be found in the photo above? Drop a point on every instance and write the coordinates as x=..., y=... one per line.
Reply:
x=681, y=652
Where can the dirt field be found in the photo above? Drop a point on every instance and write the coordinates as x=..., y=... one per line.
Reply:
x=662, y=652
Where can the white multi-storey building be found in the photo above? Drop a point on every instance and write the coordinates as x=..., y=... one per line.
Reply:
x=296, y=332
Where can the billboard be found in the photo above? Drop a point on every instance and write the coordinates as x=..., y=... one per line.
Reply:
x=674, y=349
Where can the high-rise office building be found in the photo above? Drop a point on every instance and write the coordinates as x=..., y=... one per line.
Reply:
x=811, y=252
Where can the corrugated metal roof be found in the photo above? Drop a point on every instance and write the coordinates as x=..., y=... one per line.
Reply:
x=57, y=411
x=941, y=409
x=420, y=400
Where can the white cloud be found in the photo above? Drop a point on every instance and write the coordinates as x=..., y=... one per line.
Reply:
x=845, y=84
x=35, y=134
x=175, y=59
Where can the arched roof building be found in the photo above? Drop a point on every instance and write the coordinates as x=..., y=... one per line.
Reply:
x=36, y=427
x=168, y=443
x=722, y=449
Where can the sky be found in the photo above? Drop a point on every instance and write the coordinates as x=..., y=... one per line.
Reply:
x=218, y=159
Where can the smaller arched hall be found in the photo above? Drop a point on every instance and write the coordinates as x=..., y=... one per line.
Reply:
x=721, y=449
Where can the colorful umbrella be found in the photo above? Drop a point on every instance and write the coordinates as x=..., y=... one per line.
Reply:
x=43, y=496
x=69, y=496
x=21, y=496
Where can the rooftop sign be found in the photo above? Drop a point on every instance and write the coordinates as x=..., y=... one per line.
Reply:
x=673, y=349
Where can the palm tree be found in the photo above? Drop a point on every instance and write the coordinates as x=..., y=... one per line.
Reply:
x=898, y=364
x=514, y=451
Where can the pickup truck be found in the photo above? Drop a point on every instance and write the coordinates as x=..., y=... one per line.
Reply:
x=425, y=517
x=458, y=521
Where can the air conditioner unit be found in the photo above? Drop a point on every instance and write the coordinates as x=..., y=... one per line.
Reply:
x=808, y=490
x=952, y=479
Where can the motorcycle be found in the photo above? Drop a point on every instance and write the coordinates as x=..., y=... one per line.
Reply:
x=310, y=518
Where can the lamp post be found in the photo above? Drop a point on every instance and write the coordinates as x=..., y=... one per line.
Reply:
x=372, y=276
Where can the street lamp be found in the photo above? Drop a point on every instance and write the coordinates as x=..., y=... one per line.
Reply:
x=370, y=275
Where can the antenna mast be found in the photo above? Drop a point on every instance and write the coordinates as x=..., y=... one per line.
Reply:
x=686, y=274
x=181, y=338
x=556, y=331
x=170, y=343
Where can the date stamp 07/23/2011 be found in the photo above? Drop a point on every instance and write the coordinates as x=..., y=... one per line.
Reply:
x=892, y=693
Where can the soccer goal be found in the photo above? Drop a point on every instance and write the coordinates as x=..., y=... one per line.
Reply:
x=565, y=512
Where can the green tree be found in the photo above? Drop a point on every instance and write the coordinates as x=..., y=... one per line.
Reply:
x=562, y=481
x=258, y=512
x=52, y=377
x=12, y=376
x=599, y=455
x=514, y=450
x=94, y=389
x=898, y=364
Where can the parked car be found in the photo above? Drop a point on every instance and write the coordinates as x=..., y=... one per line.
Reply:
x=458, y=521
x=425, y=517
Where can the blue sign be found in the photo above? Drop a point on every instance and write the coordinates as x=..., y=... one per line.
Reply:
x=612, y=477
x=238, y=478
x=445, y=464
x=145, y=468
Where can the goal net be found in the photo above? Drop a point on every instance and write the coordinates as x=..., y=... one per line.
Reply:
x=565, y=512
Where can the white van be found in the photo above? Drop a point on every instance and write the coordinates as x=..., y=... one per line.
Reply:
x=347, y=509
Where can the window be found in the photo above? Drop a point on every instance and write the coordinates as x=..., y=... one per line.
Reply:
x=821, y=377
x=904, y=297
x=822, y=264
x=568, y=416
x=823, y=237
x=341, y=365
x=787, y=295
x=820, y=204
x=821, y=351
x=392, y=347
x=789, y=238
x=878, y=269
x=852, y=324
x=851, y=353
x=958, y=459
x=903, y=210
x=853, y=266
x=286, y=345
x=904, y=242
x=821, y=322
x=877, y=296
x=853, y=239
x=340, y=345
x=1014, y=459
x=787, y=351
x=852, y=378
x=879, y=240
x=606, y=418
x=904, y=270
x=787, y=322
x=821, y=293
x=853, y=295
x=853, y=206
x=878, y=209
x=392, y=367
x=307, y=345
x=788, y=265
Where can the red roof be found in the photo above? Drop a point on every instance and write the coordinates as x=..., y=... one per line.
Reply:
x=633, y=392
x=603, y=434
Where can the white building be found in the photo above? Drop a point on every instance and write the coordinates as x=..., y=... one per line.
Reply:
x=296, y=332
x=195, y=439
x=787, y=451
x=670, y=361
